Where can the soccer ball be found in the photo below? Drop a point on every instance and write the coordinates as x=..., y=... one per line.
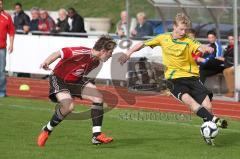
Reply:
x=209, y=130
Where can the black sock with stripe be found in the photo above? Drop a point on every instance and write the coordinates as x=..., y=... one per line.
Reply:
x=204, y=114
x=97, y=117
x=55, y=120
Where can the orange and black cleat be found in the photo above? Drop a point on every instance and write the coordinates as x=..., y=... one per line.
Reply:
x=101, y=139
x=42, y=138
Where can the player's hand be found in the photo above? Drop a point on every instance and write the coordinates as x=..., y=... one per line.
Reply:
x=122, y=59
x=209, y=49
x=202, y=60
x=134, y=32
x=45, y=66
x=205, y=49
x=10, y=49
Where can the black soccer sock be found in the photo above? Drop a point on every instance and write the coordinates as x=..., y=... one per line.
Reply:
x=55, y=120
x=204, y=114
x=97, y=118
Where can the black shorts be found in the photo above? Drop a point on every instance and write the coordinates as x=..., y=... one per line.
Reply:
x=58, y=85
x=191, y=85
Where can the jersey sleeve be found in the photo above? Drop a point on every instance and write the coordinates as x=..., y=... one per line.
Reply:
x=154, y=42
x=194, y=45
x=66, y=53
x=11, y=29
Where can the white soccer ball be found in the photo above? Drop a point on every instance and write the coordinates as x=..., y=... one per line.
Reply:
x=209, y=129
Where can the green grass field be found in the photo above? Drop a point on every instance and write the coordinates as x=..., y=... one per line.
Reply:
x=22, y=119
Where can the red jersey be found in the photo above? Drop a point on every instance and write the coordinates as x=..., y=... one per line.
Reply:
x=6, y=27
x=75, y=62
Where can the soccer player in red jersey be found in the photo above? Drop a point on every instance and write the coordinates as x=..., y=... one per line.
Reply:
x=67, y=81
x=6, y=27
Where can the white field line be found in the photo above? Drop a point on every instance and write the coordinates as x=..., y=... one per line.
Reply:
x=182, y=123
x=172, y=122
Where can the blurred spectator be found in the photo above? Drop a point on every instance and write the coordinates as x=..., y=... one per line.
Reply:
x=191, y=33
x=6, y=27
x=212, y=65
x=214, y=43
x=121, y=27
x=75, y=21
x=228, y=71
x=21, y=19
x=46, y=23
x=62, y=21
x=35, y=19
x=197, y=56
x=143, y=28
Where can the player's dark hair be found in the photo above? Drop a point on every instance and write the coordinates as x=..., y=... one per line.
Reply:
x=212, y=32
x=230, y=34
x=18, y=4
x=105, y=42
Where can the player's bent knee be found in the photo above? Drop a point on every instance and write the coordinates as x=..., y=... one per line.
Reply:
x=67, y=104
x=71, y=107
x=207, y=104
x=188, y=100
x=97, y=100
x=185, y=97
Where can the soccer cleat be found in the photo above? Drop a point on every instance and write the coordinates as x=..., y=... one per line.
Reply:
x=209, y=141
x=101, y=139
x=222, y=123
x=42, y=138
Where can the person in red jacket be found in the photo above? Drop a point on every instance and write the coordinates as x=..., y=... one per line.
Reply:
x=45, y=23
x=6, y=27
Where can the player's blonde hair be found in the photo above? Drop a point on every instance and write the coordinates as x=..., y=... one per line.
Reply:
x=181, y=18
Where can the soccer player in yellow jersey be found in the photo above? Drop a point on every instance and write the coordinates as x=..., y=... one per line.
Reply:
x=182, y=70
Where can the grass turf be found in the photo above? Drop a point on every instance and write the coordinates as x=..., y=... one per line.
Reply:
x=168, y=138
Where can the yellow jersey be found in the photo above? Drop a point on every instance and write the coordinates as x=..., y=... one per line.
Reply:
x=177, y=55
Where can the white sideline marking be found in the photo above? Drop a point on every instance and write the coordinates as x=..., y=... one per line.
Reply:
x=116, y=117
x=32, y=108
x=174, y=122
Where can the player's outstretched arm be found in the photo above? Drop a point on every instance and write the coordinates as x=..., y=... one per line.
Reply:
x=122, y=59
x=53, y=57
x=205, y=49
